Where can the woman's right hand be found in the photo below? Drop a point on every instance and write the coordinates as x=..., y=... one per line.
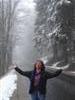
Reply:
x=13, y=66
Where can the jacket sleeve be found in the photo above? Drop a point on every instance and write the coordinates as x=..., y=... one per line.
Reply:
x=55, y=74
x=24, y=73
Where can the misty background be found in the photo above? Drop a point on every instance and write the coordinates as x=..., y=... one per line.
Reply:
x=32, y=29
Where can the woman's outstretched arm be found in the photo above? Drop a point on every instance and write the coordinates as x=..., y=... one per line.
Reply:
x=57, y=70
x=54, y=74
x=24, y=73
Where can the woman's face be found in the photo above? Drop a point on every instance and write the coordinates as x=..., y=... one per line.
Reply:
x=38, y=65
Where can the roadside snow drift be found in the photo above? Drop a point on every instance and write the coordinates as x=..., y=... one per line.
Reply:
x=8, y=85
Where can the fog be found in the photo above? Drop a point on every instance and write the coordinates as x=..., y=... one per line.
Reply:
x=23, y=52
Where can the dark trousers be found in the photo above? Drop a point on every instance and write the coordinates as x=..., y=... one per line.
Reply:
x=37, y=96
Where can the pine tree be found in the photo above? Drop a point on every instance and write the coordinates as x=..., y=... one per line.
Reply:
x=55, y=28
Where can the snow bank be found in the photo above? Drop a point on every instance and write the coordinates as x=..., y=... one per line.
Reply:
x=8, y=85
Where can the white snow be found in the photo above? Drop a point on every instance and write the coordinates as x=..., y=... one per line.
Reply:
x=8, y=85
x=64, y=1
x=56, y=29
x=54, y=66
x=70, y=73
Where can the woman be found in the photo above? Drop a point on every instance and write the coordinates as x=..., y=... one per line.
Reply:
x=38, y=79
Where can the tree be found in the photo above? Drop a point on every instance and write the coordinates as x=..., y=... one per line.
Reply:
x=54, y=23
x=8, y=10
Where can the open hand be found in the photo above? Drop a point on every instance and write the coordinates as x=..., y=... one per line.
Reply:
x=12, y=67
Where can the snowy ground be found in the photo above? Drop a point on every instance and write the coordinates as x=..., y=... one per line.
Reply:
x=8, y=85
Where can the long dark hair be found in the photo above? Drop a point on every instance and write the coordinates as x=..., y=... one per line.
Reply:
x=43, y=65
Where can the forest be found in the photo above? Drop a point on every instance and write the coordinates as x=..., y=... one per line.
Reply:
x=32, y=29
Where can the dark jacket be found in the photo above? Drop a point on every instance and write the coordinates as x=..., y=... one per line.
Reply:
x=43, y=80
